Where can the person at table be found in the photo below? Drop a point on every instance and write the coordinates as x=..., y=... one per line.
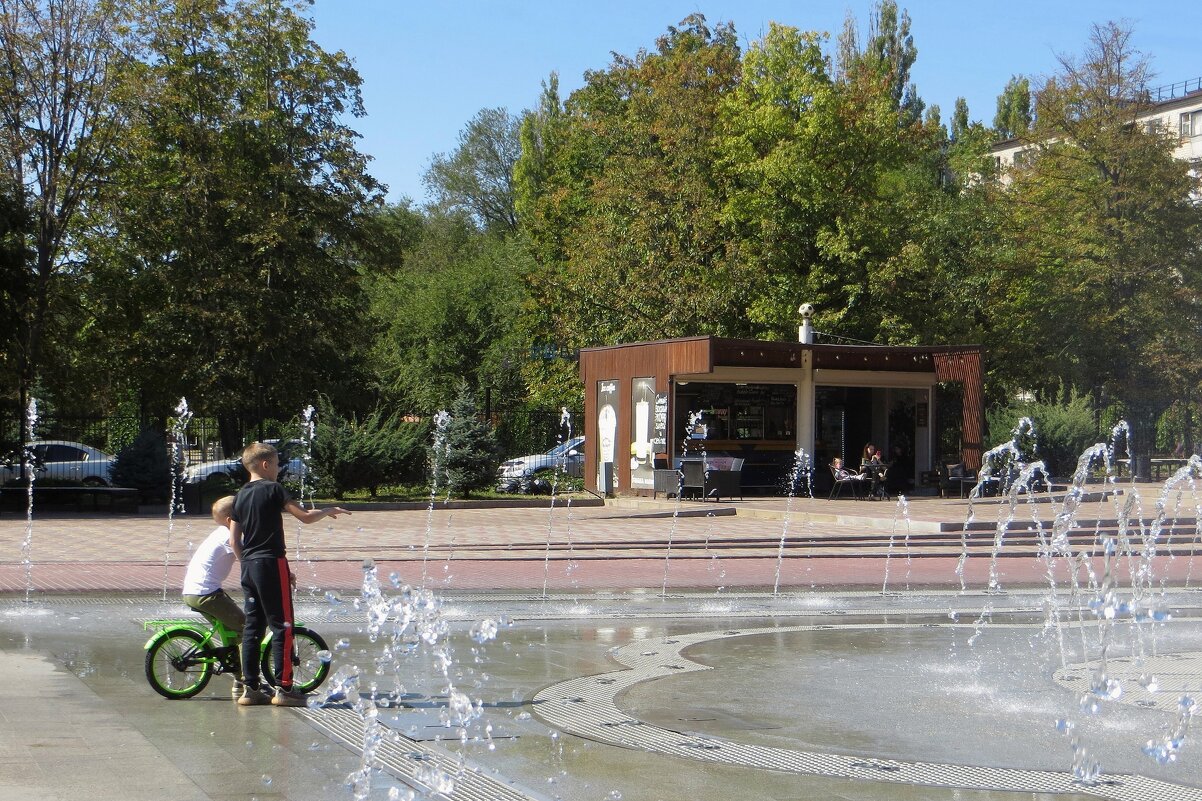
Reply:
x=872, y=466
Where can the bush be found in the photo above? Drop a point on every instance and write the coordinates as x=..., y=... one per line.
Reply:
x=145, y=466
x=1062, y=430
x=472, y=456
x=351, y=454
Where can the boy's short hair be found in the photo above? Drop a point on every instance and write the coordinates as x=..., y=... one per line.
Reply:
x=223, y=508
x=256, y=452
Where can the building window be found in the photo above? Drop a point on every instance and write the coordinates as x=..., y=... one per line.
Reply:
x=1191, y=123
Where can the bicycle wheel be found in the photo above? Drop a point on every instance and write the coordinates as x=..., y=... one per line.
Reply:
x=174, y=666
x=308, y=670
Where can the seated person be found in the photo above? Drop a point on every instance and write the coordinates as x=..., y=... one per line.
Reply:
x=873, y=467
x=208, y=568
x=842, y=473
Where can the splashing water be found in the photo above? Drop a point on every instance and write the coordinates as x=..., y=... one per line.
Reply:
x=802, y=466
x=902, y=510
x=27, y=465
x=694, y=421
x=178, y=445
x=565, y=423
x=438, y=455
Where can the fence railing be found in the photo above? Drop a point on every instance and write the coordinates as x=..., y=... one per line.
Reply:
x=519, y=431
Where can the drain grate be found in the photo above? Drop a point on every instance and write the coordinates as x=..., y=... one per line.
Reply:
x=404, y=759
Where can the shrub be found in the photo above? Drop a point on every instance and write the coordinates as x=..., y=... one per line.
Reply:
x=145, y=466
x=1062, y=430
x=351, y=454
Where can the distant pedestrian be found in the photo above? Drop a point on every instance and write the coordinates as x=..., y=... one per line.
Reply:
x=257, y=536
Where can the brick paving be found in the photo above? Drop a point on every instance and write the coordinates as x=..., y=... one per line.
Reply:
x=620, y=545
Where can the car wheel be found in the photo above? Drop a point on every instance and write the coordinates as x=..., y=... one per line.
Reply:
x=218, y=478
x=94, y=481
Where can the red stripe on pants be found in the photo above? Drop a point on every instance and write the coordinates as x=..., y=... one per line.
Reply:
x=285, y=669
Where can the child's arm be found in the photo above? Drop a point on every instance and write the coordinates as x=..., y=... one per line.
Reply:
x=313, y=515
x=236, y=539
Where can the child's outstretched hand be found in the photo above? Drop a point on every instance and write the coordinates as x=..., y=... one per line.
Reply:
x=334, y=511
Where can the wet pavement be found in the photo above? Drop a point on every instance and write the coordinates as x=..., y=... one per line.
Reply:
x=617, y=696
x=869, y=674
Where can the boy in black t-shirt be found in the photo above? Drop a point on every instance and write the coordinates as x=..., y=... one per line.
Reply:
x=257, y=537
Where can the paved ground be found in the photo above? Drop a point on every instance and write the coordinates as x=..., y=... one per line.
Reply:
x=607, y=688
x=758, y=543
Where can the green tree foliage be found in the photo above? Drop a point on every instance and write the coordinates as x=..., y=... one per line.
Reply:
x=1098, y=276
x=471, y=457
x=834, y=195
x=353, y=453
x=1013, y=117
x=1063, y=430
x=477, y=178
x=236, y=203
x=450, y=314
x=619, y=196
x=62, y=121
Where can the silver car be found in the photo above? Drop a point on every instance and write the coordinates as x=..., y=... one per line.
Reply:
x=65, y=461
x=292, y=465
x=567, y=456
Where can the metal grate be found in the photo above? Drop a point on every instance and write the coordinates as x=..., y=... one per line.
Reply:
x=402, y=758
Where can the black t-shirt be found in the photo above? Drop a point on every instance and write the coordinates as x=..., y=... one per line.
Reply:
x=259, y=507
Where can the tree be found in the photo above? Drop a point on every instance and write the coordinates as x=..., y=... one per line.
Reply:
x=832, y=192
x=477, y=177
x=1100, y=268
x=236, y=211
x=960, y=121
x=61, y=123
x=471, y=455
x=622, y=203
x=1013, y=117
x=449, y=315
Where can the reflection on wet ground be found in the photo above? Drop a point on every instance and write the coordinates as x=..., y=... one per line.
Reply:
x=878, y=683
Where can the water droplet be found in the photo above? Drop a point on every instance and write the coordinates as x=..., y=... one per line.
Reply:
x=342, y=644
x=324, y=656
x=523, y=716
x=266, y=780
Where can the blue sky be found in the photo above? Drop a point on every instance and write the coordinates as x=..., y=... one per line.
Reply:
x=428, y=67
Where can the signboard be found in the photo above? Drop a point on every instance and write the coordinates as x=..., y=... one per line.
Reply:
x=607, y=432
x=642, y=450
x=659, y=426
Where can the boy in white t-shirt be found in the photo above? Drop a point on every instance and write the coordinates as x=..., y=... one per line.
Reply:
x=208, y=568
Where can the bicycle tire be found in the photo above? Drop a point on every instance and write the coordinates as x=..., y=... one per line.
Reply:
x=170, y=668
x=308, y=670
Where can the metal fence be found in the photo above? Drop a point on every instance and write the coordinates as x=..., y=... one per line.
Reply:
x=519, y=431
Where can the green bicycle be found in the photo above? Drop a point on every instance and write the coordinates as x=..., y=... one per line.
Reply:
x=183, y=655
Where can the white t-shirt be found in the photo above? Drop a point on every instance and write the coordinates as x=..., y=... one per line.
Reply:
x=212, y=562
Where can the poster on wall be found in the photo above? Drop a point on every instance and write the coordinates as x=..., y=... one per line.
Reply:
x=607, y=432
x=659, y=426
x=642, y=448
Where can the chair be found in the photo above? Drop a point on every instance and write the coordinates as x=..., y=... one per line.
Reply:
x=843, y=479
x=694, y=476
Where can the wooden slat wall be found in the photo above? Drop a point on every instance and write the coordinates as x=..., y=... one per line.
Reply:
x=965, y=367
x=659, y=360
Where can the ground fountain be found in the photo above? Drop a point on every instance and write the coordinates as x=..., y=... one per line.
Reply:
x=28, y=468
x=178, y=456
x=434, y=679
x=802, y=466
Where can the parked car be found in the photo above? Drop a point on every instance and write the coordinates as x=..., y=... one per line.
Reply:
x=292, y=465
x=65, y=461
x=524, y=470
